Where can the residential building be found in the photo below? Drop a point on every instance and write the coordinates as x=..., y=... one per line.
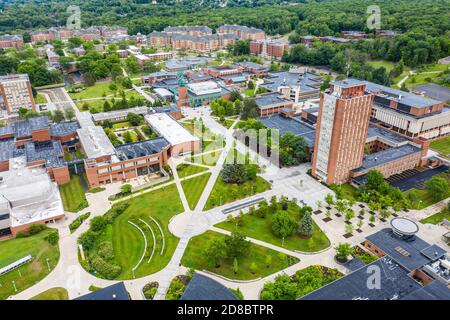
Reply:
x=61, y=33
x=242, y=32
x=386, y=33
x=41, y=36
x=268, y=48
x=353, y=34
x=342, y=128
x=16, y=92
x=11, y=41
x=190, y=30
x=113, y=31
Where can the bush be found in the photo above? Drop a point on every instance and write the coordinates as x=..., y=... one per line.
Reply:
x=78, y=221
x=108, y=270
x=150, y=290
x=52, y=238
x=98, y=224
x=36, y=228
x=88, y=239
x=237, y=292
x=106, y=251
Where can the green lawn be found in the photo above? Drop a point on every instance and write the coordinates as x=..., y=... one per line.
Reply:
x=95, y=91
x=52, y=294
x=185, y=169
x=261, y=229
x=121, y=125
x=208, y=159
x=40, y=99
x=424, y=198
x=223, y=193
x=194, y=258
x=32, y=272
x=128, y=243
x=388, y=65
x=249, y=92
x=437, y=217
x=193, y=188
x=72, y=194
x=441, y=145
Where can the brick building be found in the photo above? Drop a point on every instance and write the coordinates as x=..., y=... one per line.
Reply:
x=242, y=32
x=268, y=48
x=16, y=92
x=11, y=41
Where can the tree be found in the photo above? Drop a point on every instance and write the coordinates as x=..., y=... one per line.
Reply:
x=329, y=199
x=237, y=245
x=437, y=187
x=343, y=250
x=215, y=252
x=98, y=224
x=58, y=116
x=134, y=119
x=375, y=179
x=292, y=149
x=234, y=173
x=281, y=289
x=253, y=268
x=249, y=109
x=306, y=222
x=69, y=113
x=349, y=214
x=283, y=225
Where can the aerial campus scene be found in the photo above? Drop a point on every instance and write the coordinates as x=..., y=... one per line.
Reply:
x=205, y=150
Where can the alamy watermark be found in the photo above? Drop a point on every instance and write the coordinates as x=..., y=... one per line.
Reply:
x=374, y=19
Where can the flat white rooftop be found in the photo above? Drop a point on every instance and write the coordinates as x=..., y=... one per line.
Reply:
x=84, y=119
x=169, y=128
x=202, y=88
x=116, y=114
x=95, y=142
x=28, y=194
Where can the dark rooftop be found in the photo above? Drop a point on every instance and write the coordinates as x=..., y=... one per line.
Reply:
x=388, y=155
x=50, y=151
x=205, y=288
x=432, y=291
x=412, y=254
x=141, y=148
x=169, y=108
x=377, y=131
x=395, y=284
x=23, y=128
x=290, y=124
x=64, y=128
x=9, y=150
x=114, y=292
x=307, y=81
x=266, y=100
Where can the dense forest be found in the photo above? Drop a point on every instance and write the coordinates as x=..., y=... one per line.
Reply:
x=320, y=17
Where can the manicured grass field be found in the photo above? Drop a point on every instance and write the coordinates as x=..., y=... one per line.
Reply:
x=52, y=294
x=223, y=193
x=128, y=243
x=72, y=194
x=97, y=104
x=249, y=92
x=437, y=217
x=40, y=99
x=208, y=159
x=32, y=272
x=185, y=170
x=388, y=65
x=95, y=91
x=121, y=125
x=194, y=257
x=441, y=145
x=193, y=188
x=261, y=229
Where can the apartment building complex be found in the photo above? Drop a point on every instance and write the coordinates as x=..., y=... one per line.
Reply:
x=16, y=92
x=242, y=32
x=268, y=48
x=342, y=128
x=11, y=41
x=187, y=41
x=87, y=34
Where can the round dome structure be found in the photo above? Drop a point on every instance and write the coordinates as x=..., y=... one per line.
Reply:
x=403, y=227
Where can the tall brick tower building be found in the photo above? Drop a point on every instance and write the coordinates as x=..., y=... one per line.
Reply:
x=342, y=126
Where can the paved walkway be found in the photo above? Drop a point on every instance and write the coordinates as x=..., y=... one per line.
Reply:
x=290, y=182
